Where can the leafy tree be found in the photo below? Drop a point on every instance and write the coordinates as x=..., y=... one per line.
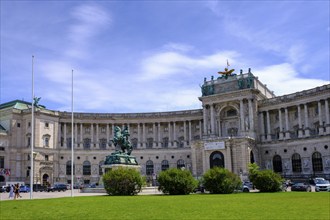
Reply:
x=221, y=181
x=265, y=180
x=176, y=182
x=253, y=171
x=123, y=181
x=268, y=181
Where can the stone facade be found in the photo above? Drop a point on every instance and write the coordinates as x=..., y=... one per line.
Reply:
x=241, y=122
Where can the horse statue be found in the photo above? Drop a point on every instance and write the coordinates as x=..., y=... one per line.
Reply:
x=121, y=139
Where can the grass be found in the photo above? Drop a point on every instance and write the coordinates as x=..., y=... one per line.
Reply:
x=290, y=205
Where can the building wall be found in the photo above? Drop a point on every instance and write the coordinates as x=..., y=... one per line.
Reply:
x=239, y=121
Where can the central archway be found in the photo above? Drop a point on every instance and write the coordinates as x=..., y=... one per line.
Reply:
x=217, y=159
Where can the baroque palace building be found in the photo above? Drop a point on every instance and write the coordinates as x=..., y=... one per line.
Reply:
x=241, y=122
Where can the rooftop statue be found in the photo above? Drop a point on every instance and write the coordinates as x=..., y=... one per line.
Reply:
x=226, y=72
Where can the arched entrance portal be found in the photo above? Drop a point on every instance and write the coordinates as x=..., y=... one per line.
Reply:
x=217, y=159
x=45, y=179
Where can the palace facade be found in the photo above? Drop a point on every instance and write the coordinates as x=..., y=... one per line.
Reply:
x=241, y=121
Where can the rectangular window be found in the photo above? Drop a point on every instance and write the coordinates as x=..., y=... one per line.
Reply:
x=18, y=125
x=2, y=162
x=46, y=125
x=46, y=157
x=87, y=130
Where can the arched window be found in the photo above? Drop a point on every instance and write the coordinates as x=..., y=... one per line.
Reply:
x=296, y=163
x=86, y=168
x=149, y=167
x=100, y=168
x=165, y=165
x=251, y=157
x=180, y=164
x=277, y=163
x=317, y=162
x=217, y=159
x=68, y=168
x=46, y=139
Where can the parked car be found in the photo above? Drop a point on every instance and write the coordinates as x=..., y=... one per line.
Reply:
x=3, y=189
x=306, y=187
x=24, y=189
x=57, y=187
x=199, y=188
x=322, y=185
x=39, y=188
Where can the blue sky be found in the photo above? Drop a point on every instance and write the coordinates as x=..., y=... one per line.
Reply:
x=147, y=56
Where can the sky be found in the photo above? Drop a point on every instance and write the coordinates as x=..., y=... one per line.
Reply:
x=152, y=56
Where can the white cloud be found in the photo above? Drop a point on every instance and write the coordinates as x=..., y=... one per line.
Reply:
x=91, y=19
x=166, y=64
x=283, y=79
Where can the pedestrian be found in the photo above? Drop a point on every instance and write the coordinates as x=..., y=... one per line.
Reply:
x=16, y=191
x=11, y=192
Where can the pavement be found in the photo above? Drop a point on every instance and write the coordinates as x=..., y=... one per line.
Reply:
x=76, y=192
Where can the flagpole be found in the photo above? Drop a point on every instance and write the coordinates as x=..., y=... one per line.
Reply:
x=32, y=136
x=72, y=139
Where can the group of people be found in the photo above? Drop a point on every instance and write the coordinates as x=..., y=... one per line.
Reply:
x=14, y=191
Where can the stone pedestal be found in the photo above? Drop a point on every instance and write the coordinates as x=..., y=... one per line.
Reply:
x=107, y=167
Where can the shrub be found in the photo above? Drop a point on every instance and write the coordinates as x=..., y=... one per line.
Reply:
x=221, y=181
x=122, y=181
x=175, y=181
x=268, y=181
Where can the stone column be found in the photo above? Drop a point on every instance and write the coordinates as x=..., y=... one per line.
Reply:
x=241, y=112
x=262, y=126
x=169, y=134
x=139, y=135
x=251, y=124
x=287, y=132
x=306, y=120
x=97, y=136
x=320, y=118
x=327, y=116
x=59, y=133
x=64, y=135
x=300, y=134
x=281, y=125
x=175, y=141
x=107, y=134
x=212, y=119
x=269, y=137
x=158, y=130
x=92, y=135
x=81, y=135
x=190, y=135
x=144, y=135
x=75, y=135
x=200, y=129
x=154, y=135
x=184, y=133
x=204, y=120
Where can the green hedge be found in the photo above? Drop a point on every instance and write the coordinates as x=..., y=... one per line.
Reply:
x=123, y=181
x=221, y=181
x=176, y=182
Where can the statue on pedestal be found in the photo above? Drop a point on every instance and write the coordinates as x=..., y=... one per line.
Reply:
x=122, y=156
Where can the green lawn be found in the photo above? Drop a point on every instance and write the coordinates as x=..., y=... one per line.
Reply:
x=289, y=205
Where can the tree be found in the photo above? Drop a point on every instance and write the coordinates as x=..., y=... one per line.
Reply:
x=123, y=181
x=221, y=181
x=265, y=180
x=176, y=182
